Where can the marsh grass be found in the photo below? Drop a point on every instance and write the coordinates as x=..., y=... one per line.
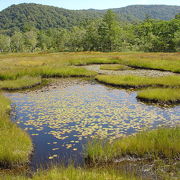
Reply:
x=45, y=72
x=81, y=174
x=161, y=95
x=15, y=144
x=66, y=72
x=131, y=81
x=154, y=144
x=95, y=60
x=20, y=83
x=157, y=62
x=115, y=67
x=71, y=173
x=17, y=65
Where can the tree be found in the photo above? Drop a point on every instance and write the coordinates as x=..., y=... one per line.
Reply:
x=4, y=43
x=30, y=38
x=177, y=16
x=91, y=41
x=177, y=40
x=109, y=32
x=17, y=42
x=76, y=40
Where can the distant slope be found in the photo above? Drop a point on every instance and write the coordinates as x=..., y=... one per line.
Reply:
x=44, y=17
x=140, y=12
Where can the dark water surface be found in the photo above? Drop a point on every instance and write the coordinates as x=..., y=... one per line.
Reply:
x=61, y=117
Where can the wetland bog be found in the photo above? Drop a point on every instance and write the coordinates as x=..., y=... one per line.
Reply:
x=64, y=115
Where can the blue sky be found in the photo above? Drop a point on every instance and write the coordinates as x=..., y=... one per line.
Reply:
x=86, y=4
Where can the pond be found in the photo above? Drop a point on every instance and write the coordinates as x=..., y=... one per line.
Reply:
x=64, y=115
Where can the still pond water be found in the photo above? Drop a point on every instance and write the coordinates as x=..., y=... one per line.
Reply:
x=63, y=116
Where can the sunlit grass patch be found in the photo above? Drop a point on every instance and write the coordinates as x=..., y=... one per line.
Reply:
x=159, y=143
x=151, y=63
x=20, y=83
x=45, y=71
x=81, y=174
x=15, y=144
x=65, y=72
x=115, y=67
x=13, y=176
x=71, y=173
x=95, y=60
x=129, y=81
x=162, y=95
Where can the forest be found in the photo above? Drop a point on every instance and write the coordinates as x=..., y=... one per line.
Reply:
x=105, y=33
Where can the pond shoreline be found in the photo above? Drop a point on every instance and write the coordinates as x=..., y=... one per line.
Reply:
x=126, y=96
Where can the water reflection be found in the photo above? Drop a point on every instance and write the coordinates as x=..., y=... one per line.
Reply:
x=61, y=117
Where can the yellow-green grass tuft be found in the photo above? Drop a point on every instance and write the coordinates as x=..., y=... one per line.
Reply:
x=149, y=62
x=81, y=174
x=115, y=67
x=95, y=60
x=160, y=143
x=71, y=173
x=20, y=83
x=46, y=71
x=15, y=144
x=131, y=81
x=161, y=95
x=65, y=72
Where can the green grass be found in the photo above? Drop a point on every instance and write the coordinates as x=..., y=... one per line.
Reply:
x=71, y=173
x=20, y=83
x=45, y=72
x=115, y=67
x=26, y=69
x=139, y=81
x=17, y=65
x=15, y=144
x=80, y=174
x=160, y=95
x=94, y=60
x=151, y=62
x=66, y=72
x=159, y=143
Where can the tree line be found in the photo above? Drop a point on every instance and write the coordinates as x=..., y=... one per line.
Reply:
x=105, y=34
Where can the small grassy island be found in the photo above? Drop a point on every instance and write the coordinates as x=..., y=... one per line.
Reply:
x=160, y=95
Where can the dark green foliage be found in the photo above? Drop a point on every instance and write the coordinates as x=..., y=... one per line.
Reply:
x=141, y=12
x=36, y=28
x=25, y=16
x=157, y=36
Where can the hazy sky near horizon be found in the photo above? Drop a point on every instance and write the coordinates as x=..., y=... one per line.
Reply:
x=87, y=4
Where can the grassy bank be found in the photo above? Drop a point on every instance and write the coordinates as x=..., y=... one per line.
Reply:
x=131, y=81
x=152, y=61
x=160, y=143
x=93, y=60
x=70, y=173
x=45, y=72
x=17, y=65
x=115, y=67
x=15, y=144
x=160, y=95
x=20, y=83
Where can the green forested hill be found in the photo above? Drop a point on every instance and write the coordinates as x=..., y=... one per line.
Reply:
x=141, y=12
x=43, y=17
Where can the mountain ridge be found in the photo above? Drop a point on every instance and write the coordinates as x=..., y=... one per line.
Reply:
x=44, y=16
